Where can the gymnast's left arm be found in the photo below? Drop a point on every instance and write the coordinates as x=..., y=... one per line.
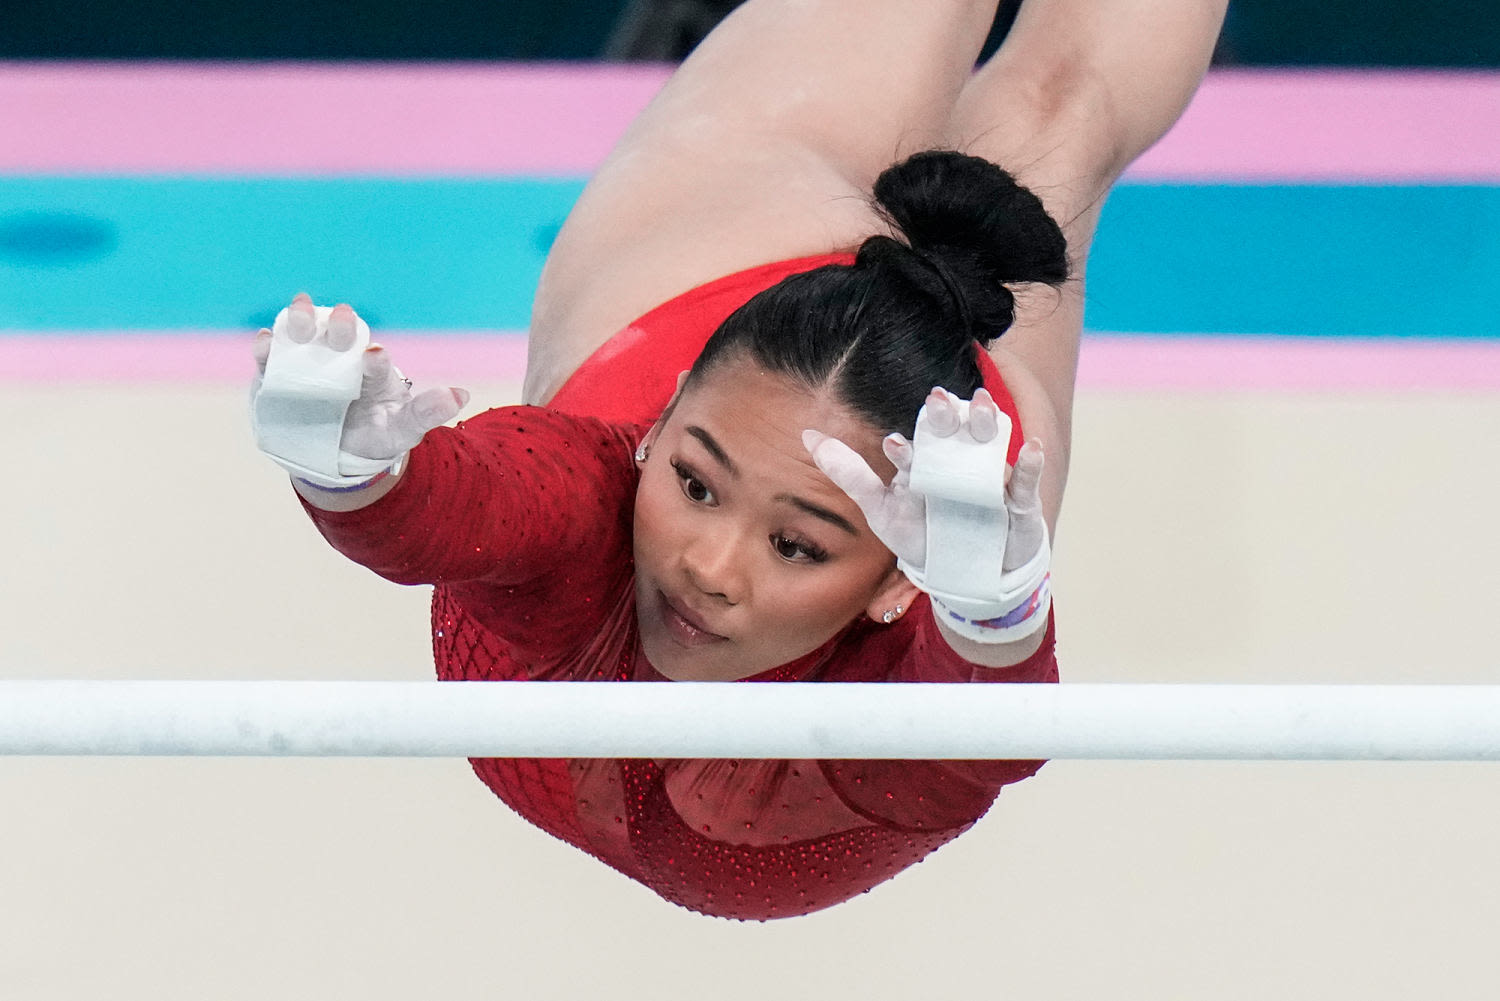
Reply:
x=328, y=406
x=974, y=539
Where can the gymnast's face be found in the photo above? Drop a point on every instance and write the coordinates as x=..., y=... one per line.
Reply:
x=747, y=556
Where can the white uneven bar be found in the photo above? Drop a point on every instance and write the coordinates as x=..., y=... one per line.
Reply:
x=698, y=720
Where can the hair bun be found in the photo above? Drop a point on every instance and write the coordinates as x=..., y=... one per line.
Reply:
x=985, y=229
x=879, y=333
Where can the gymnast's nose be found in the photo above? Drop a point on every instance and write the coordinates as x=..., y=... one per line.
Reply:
x=714, y=564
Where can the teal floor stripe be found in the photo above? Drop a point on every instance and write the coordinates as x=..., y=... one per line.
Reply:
x=1345, y=261
x=196, y=253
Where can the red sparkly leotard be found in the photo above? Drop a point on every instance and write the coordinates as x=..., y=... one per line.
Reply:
x=522, y=518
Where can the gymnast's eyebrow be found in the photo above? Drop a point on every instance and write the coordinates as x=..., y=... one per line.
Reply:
x=714, y=449
x=717, y=451
x=818, y=512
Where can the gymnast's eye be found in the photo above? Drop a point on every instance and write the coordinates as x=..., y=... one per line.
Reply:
x=797, y=551
x=692, y=487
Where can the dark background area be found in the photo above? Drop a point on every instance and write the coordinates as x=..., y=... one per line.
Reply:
x=1436, y=33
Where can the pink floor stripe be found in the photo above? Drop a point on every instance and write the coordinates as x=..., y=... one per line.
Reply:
x=1330, y=126
x=1135, y=362
x=1109, y=362
x=278, y=118
x=222, y=357
x=301, y=118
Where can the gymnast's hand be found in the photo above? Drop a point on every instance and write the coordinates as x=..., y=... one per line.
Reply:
x=329, y=407
x=974, y=541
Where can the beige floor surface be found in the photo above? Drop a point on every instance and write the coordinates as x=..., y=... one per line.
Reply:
x=1248, y=537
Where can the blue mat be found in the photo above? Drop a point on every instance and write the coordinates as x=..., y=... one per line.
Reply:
x=108, y=253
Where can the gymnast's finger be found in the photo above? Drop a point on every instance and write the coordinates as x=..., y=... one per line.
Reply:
x=898, y=450
x=984, y=416
x=301, y=320
x=262, y=349
x=343, y=328
x=846, y=469
x=1025, y=486
x=939, y=412
x=378, y=371
x=433, y=408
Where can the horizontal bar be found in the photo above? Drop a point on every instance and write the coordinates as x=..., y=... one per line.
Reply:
x=704, y=720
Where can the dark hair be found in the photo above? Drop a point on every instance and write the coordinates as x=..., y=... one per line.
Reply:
x=904, y=317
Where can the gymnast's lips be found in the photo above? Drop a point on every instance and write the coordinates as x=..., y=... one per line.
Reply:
x=683, y=625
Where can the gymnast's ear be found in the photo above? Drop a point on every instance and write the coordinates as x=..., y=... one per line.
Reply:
x=644, y=450
x=682, y=378
x=895, y=591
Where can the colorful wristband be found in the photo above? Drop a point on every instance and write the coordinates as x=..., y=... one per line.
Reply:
x=394, y=469
x=1038, y=601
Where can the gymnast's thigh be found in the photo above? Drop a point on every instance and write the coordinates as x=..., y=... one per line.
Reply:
x=726, y=216
x=1078, y=90
x=762, y=147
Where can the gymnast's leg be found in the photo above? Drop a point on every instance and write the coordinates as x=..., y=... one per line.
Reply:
x=762, y=147
x=1079, y=89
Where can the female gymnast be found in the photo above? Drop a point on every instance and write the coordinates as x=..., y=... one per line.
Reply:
x=795, y=467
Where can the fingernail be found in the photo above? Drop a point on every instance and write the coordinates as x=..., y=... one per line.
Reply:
x=342, y=332
x=300, y=326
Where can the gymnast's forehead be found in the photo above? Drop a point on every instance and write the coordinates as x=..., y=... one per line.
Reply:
x=741, y=389
x=745, y=405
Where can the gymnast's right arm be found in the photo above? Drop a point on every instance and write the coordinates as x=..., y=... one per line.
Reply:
x=500, y=499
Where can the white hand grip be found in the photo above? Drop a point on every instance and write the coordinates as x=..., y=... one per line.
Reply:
x=958, y=468
x=299, y=409
x=963, y=482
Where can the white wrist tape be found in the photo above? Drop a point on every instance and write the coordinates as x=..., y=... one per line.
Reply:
x=963, y=482
x=298, y=409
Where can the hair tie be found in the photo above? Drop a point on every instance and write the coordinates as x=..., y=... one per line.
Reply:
x=951, y=283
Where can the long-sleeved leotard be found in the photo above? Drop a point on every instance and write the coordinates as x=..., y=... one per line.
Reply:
x=521, y=517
